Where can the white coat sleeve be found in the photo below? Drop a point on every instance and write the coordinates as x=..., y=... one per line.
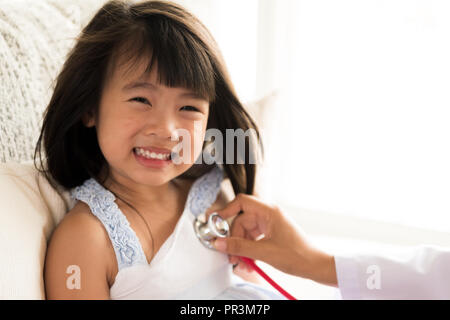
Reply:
x=417, y=273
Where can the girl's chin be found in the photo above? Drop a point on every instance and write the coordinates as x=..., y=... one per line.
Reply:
x=152, y=180
x=155, y=177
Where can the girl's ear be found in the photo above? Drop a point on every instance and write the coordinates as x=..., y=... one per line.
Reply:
x=88, y=119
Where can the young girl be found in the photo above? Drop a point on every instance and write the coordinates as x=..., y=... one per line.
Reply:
x=137, y=73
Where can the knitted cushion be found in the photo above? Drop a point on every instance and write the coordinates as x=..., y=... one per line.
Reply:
x=35, y=36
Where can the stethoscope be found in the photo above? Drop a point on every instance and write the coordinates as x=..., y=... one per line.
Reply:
x=217, y=227
x=214, y=227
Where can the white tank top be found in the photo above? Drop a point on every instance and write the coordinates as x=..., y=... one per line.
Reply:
x=182, y=268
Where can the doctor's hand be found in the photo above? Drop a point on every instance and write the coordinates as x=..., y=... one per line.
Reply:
x=263, y=232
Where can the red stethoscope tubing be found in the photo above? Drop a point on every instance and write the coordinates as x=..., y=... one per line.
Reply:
x=252, y=264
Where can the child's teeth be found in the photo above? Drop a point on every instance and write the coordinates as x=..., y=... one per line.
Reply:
x=152, y=155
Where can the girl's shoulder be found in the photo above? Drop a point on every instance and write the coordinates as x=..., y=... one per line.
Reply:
x=81, y=220
x=81, y=243
x=83, y=225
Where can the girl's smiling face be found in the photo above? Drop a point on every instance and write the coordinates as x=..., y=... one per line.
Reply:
x=137, y=111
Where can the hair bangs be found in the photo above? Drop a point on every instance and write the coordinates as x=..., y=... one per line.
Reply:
x=180, y=58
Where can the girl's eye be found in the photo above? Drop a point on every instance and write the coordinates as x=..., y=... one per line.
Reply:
x=191, y=108
x=141, y=100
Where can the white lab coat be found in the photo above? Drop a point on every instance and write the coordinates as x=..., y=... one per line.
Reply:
x=416, y=273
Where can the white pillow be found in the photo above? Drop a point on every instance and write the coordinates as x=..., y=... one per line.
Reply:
x=30, y=208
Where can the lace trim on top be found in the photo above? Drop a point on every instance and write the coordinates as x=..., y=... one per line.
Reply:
x=126, y=244
x=204, y=191
x=123, y=238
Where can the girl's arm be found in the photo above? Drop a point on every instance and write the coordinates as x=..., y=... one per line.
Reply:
x=76, y=265
x=247, y=274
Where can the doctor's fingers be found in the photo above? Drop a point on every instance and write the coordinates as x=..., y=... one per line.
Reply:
x=249, y=225
x=239, y=233
x=244, y=203
x=245, y=227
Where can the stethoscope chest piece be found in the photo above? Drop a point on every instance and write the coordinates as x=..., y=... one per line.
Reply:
x=207, y=231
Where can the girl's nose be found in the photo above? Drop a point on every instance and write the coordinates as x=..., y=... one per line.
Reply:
x=163, y=126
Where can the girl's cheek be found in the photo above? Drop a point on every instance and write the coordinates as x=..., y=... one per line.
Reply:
x=195, y=146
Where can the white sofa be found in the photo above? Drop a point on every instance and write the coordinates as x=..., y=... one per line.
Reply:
x=35, y=36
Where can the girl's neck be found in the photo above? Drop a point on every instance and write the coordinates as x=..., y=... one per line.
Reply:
x=143, y=196
x=140, y=196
